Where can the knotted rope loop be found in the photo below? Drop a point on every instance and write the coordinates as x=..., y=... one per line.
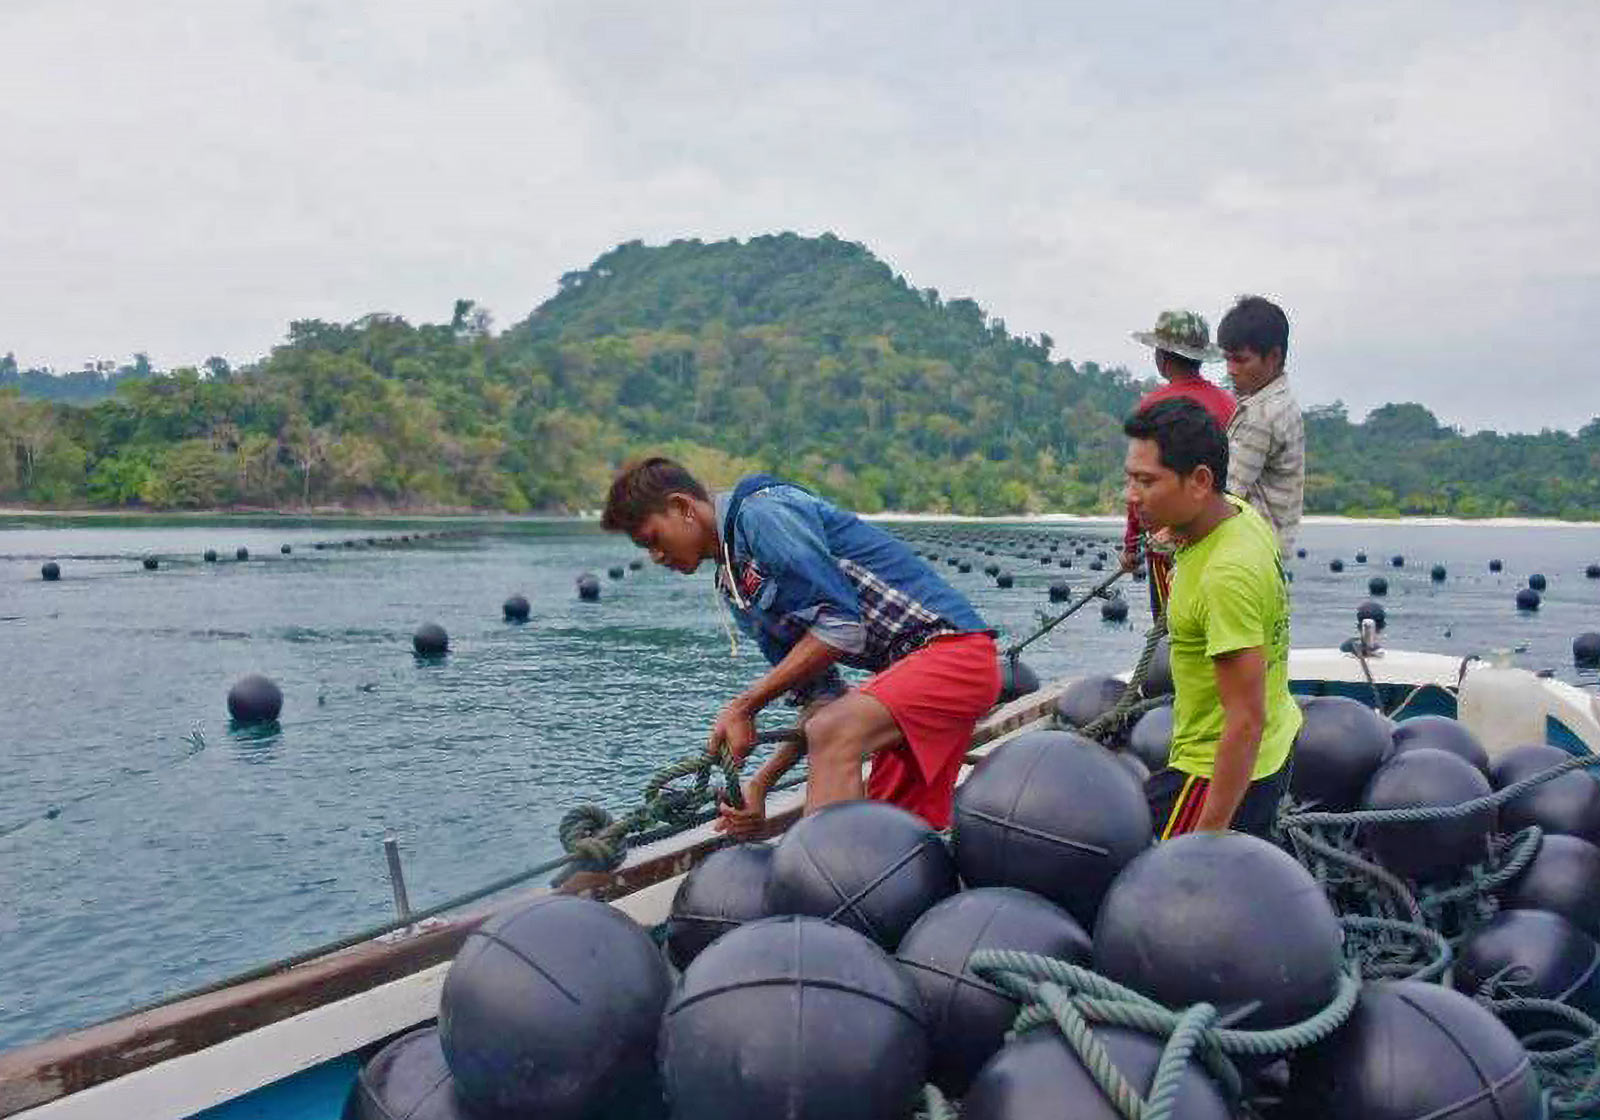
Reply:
x=1074, y=1000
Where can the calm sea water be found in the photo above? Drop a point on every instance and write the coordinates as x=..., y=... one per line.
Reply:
x=145, y=848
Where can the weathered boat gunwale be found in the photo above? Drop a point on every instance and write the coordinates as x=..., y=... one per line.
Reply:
x=56, y=1068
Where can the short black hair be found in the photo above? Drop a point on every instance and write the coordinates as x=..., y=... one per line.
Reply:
x=1183, y=361
x=1187, y=435
x=642, y=488
x=1255, y=324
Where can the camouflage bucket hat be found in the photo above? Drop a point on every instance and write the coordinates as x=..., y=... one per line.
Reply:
x=1183, y=333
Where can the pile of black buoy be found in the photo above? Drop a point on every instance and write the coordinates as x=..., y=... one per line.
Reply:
x=724, y=891
x=553, y=1010
x=863, y=864
x=1051, y=812
x=1340, y=745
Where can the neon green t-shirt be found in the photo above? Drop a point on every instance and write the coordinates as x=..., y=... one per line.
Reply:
x=1229, y=593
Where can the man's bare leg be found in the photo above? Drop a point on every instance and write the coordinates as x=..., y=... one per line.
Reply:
x=838, y=738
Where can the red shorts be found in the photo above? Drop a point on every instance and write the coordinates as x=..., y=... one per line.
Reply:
x=936, y=696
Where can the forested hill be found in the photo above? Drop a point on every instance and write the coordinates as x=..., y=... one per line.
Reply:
x=806, y=356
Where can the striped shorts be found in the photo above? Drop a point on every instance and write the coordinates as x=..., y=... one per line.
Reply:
x=1177, y=799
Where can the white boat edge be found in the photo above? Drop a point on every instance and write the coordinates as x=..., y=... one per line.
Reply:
x=180, y=1087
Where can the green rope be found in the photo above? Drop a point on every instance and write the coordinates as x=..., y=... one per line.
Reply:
x=1129, y=706
x=595, y=840
x=1328, y=844
x=1075, y=1000
x=1095, y=592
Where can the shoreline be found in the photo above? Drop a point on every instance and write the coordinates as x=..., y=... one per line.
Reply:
x=456, y=514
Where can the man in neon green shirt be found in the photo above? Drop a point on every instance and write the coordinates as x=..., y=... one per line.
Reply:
x=1233, y=719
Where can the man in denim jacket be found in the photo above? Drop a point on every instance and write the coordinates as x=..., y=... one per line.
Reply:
x=817, y=587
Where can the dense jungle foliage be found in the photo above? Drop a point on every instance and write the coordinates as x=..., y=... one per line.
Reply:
x=805, y=356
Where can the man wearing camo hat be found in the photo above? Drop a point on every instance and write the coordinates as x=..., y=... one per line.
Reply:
x=1182, y=343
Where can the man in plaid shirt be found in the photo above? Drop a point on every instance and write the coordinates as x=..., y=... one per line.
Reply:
x=817, y=587
x=1266, y=437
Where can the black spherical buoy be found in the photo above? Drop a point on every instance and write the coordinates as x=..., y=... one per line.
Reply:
x=1016, y=679
x=1060, y=591
x=1114, y=609
x=1040, y=1077
x=1224, y=918
x=1374, y=611
x=1568, y=805
x=516, y=608
x=1336, y=565
x=1361, y=558
x=1051, y=812
x=1537, y=582
x=991, y=569
x=1300, y=553
x=1441, y=733
x=1341, y=744
x=1525, y=761
x=241, y=553
x=1564, y=878
x=255, y=699
x=211, y=556
x=1150, y=741
x=725, y=890
x=635, y=564
x=1586, y=649
x=430, y=640
x=151, y=563
x=407, y=1078
x=50, y=571
x=864, y=864
x=1097, y=565
x=589, y=587
x=1087, y=699
x=552, y=1009
x=1542, y=956
x=1496, y=565
x=1527, y=599
x=1158, y=674
x=967, y=1016
x=1414, y=1051
x=1004, y=579
x=1428, y=850
x=1592, y=571
x=1397, y=561
x=794, y=1016
x=1437, y=573
x=616, y=571
x=285, y=549
x=1377, y=585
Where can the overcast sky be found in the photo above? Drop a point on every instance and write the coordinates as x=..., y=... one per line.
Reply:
x=1417, y=183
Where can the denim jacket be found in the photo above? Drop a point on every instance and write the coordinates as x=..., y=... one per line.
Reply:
x=793, y=563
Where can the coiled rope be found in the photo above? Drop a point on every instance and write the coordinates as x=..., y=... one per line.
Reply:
x=595, y=840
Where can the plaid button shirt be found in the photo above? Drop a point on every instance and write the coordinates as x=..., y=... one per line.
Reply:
x=1267, y=457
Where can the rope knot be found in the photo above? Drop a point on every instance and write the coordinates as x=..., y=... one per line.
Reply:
x=588, y=834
